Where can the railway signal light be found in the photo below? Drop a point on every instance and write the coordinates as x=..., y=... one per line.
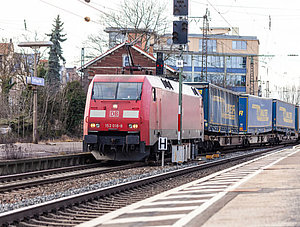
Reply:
x=180, y=32
x=180, y=7
x=159, y=63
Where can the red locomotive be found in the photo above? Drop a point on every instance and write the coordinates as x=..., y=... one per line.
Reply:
x=125, y=116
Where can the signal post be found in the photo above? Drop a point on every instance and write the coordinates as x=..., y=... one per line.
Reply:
x=180, y=36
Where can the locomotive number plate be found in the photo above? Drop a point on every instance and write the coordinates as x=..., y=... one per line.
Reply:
x=114, y=113
x=107, y=125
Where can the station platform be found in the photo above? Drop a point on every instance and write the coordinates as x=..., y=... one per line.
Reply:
x=271, y=198
x=262, y=192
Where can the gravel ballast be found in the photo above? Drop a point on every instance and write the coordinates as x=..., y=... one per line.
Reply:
x=35, y=195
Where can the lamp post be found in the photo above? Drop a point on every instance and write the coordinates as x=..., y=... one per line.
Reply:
x=35, y=81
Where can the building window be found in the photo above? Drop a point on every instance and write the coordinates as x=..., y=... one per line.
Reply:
x=233, y=80
x=215, y=61
x=188, y=76
x=212, y=61
x=171, y=60
x=197, y=77
x=126, y=60
x=211, y=45
x=216, y=78
x=197, y=60
x=236, y=62
x=239, y=45
x=187, y=60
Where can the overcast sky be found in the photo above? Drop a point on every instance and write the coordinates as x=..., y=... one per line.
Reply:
x=252, y=17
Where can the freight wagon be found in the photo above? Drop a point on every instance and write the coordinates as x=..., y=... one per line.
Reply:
x=283, y=116
x=233, y=119
x=255, y=119
x=221, y=122
x=284, y=121
x=255, y=114
x=125, y=116
x=220, y=109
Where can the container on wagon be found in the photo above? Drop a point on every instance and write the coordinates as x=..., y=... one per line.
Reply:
x=255, y=114
x=283, y=119
x=220, y=108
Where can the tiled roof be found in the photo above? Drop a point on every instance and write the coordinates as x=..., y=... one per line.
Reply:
x=150, y=56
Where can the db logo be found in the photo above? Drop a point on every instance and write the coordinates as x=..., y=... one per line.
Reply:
x=114, y=113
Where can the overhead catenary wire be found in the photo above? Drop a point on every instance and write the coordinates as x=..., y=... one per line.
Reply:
x=220, y=15
x=251, y=7
x=102, y=6
x=68, y=11
x=87, y=4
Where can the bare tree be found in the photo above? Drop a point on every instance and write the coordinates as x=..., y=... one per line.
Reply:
x=7, y=70
x=142, y=20
x=15, y=98
x=289, y=93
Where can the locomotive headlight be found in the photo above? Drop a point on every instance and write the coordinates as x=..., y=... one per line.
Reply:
x=135, y=126
x=97, y=125
x=93, y=125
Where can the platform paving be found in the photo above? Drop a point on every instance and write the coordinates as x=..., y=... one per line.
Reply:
x=271, y=198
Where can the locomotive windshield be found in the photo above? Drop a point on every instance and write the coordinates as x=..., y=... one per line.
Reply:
x=117, y=91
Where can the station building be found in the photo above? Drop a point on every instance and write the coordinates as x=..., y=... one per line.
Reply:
x=228, y=56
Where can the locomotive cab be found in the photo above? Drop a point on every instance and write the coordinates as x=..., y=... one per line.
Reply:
x=113, y=120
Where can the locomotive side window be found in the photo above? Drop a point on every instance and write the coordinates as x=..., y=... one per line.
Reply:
x=154, y=94
x=117, y=91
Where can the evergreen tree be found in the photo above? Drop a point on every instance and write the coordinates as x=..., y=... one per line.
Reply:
x=55, y=54
x=75, y=99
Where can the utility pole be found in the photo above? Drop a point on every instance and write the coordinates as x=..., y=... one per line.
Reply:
x=252, y=92
x=35, y=81
x=82, y=64
x=267, y=88
x=204, y=46
x=180, y=98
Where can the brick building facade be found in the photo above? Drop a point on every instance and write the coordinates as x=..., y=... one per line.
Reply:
x=118, y=61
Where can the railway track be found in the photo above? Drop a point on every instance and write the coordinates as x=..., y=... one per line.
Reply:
x=33, y=179
x=8, y=167
x=75, y=209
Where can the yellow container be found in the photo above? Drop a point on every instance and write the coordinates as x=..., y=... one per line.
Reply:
x=209, y=156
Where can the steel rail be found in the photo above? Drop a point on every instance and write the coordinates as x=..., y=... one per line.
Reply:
x=52, y=179
x=8, y=167
x=19, y=176
x=30, y=211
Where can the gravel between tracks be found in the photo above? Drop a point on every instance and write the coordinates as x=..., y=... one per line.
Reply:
x=26, y=197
